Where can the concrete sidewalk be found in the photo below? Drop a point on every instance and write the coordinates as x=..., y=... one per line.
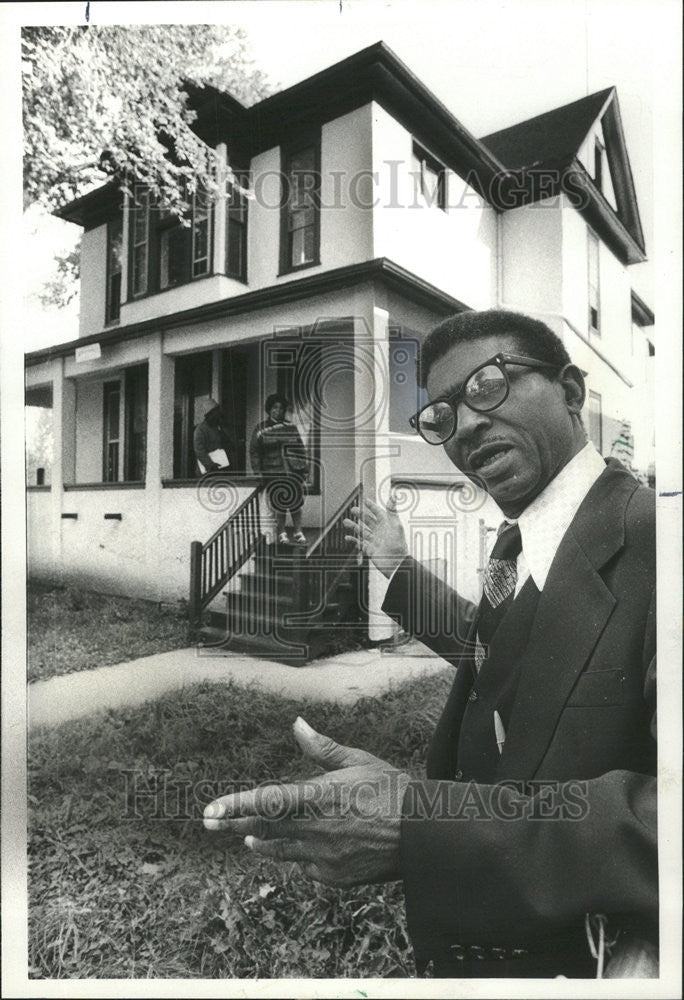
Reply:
x=344, y=678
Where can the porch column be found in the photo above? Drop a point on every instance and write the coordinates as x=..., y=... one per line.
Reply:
x=159, y=463
x=373, y=456
x=64, y=453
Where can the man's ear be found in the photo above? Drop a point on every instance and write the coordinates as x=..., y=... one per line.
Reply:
x=572, y=380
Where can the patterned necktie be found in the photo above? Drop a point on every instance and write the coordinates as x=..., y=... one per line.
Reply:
x=500, y=578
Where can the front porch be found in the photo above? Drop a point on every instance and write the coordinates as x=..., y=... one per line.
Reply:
x=122, y=503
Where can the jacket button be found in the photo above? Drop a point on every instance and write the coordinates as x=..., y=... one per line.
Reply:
x=473, y=696
x=459, y=775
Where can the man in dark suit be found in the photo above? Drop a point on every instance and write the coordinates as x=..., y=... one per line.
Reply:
x=532, y=842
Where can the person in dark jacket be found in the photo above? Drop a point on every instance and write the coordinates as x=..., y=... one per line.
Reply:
x=530, y=848
x=212, y=442
x=276, y=451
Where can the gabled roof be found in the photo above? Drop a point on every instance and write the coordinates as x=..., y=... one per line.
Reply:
x=554, y=137
x=501, y=166
x=552, y=141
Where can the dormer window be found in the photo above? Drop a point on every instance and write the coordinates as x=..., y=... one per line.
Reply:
x=430, y=177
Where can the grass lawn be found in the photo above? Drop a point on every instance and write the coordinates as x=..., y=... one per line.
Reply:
x=125, y=882
x=71, y=629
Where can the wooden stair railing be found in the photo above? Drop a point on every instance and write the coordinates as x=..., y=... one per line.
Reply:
x=326, y=561
x=213, y=563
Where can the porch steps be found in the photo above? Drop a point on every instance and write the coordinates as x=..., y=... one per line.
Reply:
x=274, y=587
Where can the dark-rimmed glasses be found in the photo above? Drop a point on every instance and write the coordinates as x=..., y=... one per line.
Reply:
x=485, y=389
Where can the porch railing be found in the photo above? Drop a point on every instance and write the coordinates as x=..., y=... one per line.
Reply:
x=214, y=562
x=328, y=558
x=331, y=541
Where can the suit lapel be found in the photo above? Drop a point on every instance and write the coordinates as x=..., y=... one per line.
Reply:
x=573, y=610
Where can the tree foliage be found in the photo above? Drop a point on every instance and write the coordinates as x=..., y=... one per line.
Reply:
x=118, y=91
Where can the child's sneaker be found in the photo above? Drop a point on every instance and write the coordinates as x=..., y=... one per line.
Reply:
x=283, y=539
x=299, y=538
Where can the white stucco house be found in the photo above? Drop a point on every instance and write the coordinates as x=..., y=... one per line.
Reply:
x=371, y=214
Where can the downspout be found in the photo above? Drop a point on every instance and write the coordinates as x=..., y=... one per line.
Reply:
x=499, y=261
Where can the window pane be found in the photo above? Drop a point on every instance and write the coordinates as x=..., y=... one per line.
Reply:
x=200, y=235
x=429, y=177
x=140, y=269
x=171, y=257
x=304, y=160
x=140, y=219
x=302, y=218
x=236, y=261
x=303, y=246
x=593, y=279
x=309, y=244
x=110, y=432
x=136, y=423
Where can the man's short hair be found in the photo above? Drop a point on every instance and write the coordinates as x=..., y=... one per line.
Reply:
x=532, y=337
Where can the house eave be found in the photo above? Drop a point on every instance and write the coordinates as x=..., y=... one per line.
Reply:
x=380, y=269
x=642, y=314
x=373, y=74
x=598, y=211
x=93, y=207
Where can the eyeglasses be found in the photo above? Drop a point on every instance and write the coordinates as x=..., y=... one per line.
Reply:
x=485, y=389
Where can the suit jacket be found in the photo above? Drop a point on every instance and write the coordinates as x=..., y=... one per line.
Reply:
x=563, y=822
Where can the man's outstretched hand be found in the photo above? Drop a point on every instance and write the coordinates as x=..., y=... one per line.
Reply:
x=378, y=532
x=343, y=827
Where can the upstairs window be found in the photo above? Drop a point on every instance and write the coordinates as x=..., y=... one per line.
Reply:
x=594, y=290
x=140, y=240
x=236, y=232
x=114, y=245
x=201, y=234
x=172, y=238
x=167, y=251
x=430, y=177
x=300, y=218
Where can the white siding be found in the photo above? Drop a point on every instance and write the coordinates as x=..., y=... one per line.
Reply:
x=93, y=281
x=453, y=249
x=531, y=243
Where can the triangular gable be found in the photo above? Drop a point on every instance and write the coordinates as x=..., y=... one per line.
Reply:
x=555, y=139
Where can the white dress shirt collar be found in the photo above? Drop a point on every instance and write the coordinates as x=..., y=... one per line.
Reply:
x=544, y=522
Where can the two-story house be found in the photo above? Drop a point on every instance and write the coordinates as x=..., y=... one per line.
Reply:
x=366, y=214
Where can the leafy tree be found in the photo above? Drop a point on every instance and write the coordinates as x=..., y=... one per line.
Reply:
x=102, y=102
x=111, y=100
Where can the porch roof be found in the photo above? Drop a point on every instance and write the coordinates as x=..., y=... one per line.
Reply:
x=380, y=269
